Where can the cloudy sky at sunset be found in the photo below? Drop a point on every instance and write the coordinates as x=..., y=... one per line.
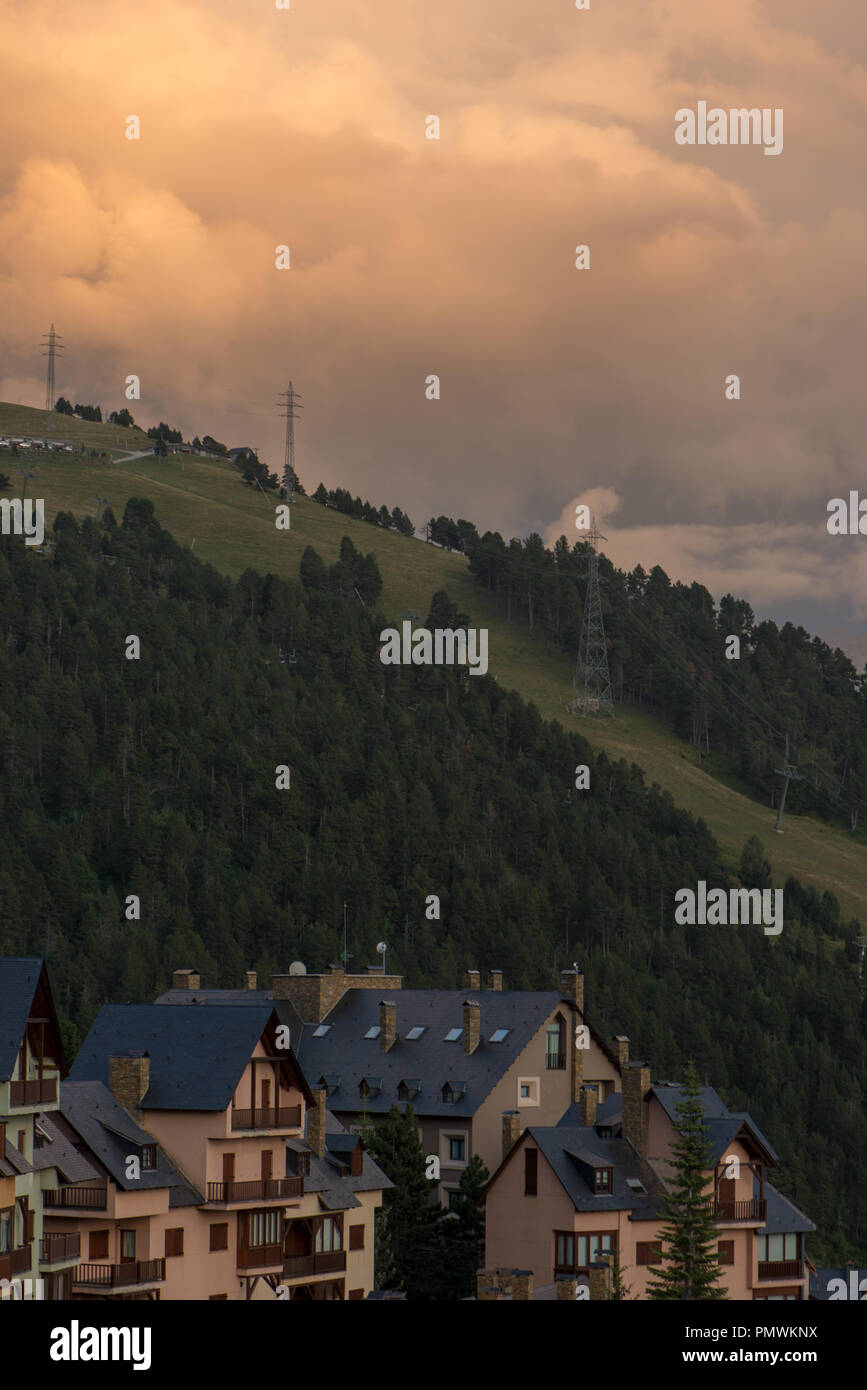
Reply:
x=456, y=256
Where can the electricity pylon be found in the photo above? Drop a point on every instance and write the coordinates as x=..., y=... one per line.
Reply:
x=291, y=400
x=53, y=343
x=592, y=680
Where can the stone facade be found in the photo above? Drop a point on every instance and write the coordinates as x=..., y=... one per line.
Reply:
x=636, y=1084
x=128, y=1080
x=472, y=1025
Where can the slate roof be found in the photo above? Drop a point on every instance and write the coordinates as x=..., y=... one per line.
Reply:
x=57, y=1150
x=284, y=1008
x=609, y=1113
x=782, y=1215
x=19, y=976
x=110, y=1134
x=197, y=1056
x=572, y=1154
x=14, y=1164
x=336, y=1189
x=344, y=1051
x=722, y=1124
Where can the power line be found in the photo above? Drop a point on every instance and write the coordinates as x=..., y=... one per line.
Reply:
x=53, y=343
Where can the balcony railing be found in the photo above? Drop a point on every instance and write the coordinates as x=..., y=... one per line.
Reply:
x=60, y=1245
x=260, y=1256
x=302, y=1266
x=752, y=1210
x=780, y=1269
x=77, y=1195
x=121, y=1275
x=33, y=1092
x=260, y=1190
x=16, y=1262
x=268, y=1117
x=555, y=1061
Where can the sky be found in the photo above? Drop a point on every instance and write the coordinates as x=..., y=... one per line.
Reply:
x=454, y=257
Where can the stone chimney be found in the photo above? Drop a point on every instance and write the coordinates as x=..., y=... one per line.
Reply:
x=472, y=980
x=250, y=980
x=567, y=1286
x=387, y=1024
x=600, y=1279
x=522, y=1284
x=316, y=1121
x=636, y=1085
x=572, y=985
x=495, y=980
x=621, y=1047
x=186, y=979
x=511, y=1130
x=128, y=1080
x=472, y=1025
x=588, y=1106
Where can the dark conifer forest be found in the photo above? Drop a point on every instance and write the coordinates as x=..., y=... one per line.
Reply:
x=156, y=778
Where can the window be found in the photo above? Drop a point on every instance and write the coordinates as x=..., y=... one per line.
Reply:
x=220, y=1235
x=370, y=1086
x=175, y=1241
x=217, y=1297
x=648, y=1252
x=454, y=1195
x=373, y=1032
x=98, y=1245
x=6, y=1227
x=589, y=1247
x=414, y=1034
x=778, y=1247
x=458, y=1148
x=499, y=1035
x=726, y=1252
x=453, y=1034
x=564, y=1251
x=266, y=1094
x=127, y=1245
x=148, y=1157
x=329, y=1235
x=528, y=1090
x=555, y=1055
x=454, y=1091
x=22, y=1140
x=356, y=1237
x=262, y=1228
x=602, y=1180
x=321, y=1030
x=531, y=1171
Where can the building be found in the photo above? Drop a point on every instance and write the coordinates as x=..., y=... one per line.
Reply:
x=31, y=1065
x=459, y=1057
x=277, y=1198
x=566, y=1198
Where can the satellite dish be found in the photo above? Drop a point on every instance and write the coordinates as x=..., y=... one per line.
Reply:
x=297, y=968
x=382, y=947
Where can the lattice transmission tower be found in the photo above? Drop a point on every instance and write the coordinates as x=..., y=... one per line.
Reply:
x=292, y=402
x=52, y=343
x=592, y=680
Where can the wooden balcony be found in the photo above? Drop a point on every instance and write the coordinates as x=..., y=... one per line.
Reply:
x=120, y=1276
x=33, y=1092
x=267, y=1117
x=780, y=1269
x=260, y=1190
x=16, y=1262
x=261, y=1257
x=77, y=1195
x=302, y=1266
x=59, y=1245
x=753, y=1210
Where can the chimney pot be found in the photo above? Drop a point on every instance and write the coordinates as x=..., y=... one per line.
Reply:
x=495, y=980
x=472, y=979
x=472, y=1025
x=621, y=1045
x=572, y=985
x=250, y=980
x=186, y=979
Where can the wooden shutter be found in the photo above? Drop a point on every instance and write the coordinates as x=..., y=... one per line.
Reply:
x=356, y=1237
x=531, y=1167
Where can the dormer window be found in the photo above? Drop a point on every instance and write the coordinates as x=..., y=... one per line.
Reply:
x=454, y=1091
x=370, y=1086
x=409, y=1089
x=603, y=1179
x=148, y=1156
x=331, y=1082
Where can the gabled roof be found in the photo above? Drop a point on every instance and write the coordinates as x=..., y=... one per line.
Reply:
x=608, y=1114
x=197, y=1056
x=57, y=1150
x=20, y=978
x=110, y=1136
x=782, y=1215
x=723, y=1125
x=284, y=1008
x=574, y=1154
x=344, y=1051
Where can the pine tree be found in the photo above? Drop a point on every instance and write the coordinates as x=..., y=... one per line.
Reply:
x=690, y=1267
x=463, y=1231
x=408, y=1231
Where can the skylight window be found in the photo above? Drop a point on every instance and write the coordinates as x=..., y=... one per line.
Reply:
x=321, y=1030
x=453, y=1034
x=414, y=1034
x=500, y=1035
x=373, y=1032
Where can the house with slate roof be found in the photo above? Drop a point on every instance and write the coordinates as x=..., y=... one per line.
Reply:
x=566, y=1198
x=31, y=1065
x=277, y=1200
x=476, y=1065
